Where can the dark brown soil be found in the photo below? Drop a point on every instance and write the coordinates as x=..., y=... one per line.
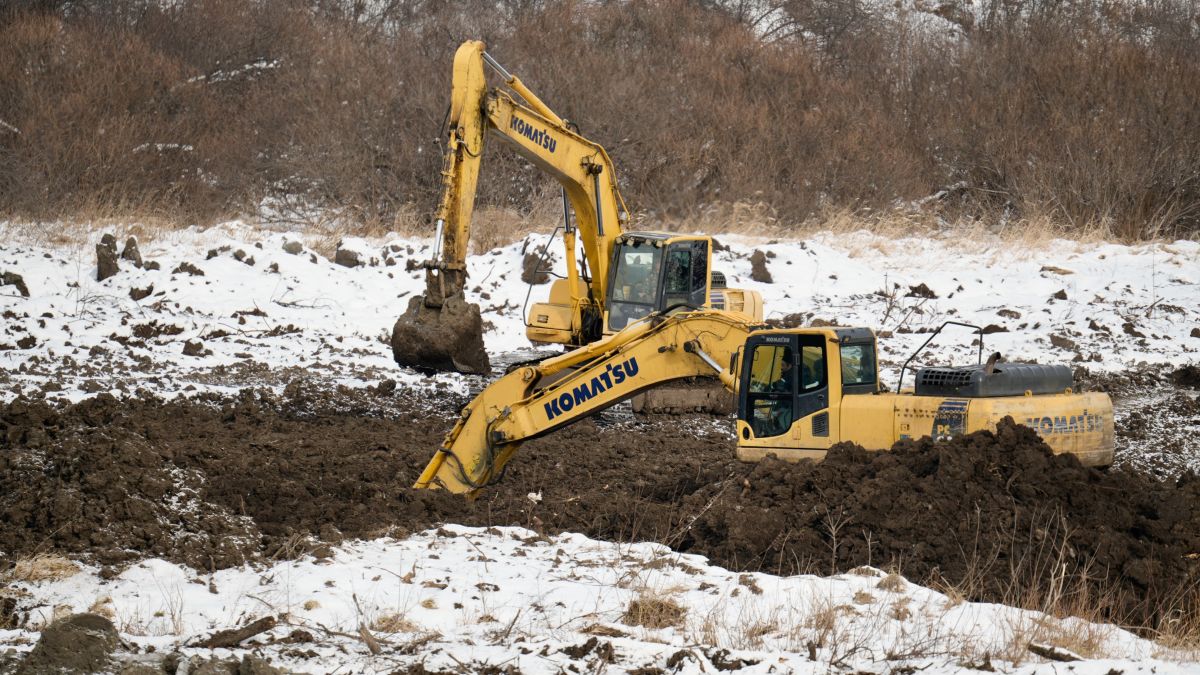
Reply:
x=531, y=268
x=758, y=267
x=80, y=643
x=212, y=482
x=1157, y=418
x=996, y=509
x=1187, y=376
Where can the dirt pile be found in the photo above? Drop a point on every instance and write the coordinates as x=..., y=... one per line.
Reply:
x=533, y=270
x=80, y=643
x=89, y=643
x=1187, y=376
x=997, y=510
x=89, y=480
x=1157, y=418
x=758, y=267
x=208, y=483
x=213, y=481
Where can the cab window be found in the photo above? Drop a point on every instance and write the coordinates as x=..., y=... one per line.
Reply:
x=686, y=280
x=679, y=276
x=858, y=364
x=771, y=389
x=812, y=368
x=634, y=290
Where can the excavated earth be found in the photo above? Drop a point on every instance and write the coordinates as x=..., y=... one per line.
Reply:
x=215, y=481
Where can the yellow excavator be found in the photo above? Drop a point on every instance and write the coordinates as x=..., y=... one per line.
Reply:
x=622, y=276
x=799, y=392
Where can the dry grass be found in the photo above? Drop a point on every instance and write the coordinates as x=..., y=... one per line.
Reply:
x=1178, y=631
x=495, y=227
x=1067, y=603
x=41, y=567
x=892, y=583
x=103, y=607
x=652, y=610
x=1082, y=117
x=393, y=623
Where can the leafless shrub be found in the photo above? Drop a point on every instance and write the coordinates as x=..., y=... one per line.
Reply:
x=738, y=115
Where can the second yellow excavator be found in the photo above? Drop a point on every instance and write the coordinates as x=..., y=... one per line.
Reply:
x=621, y=277
x=799, y=392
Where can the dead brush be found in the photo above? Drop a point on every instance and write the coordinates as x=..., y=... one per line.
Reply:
x=1069, y=604
x=393, y=623
x=1178, y=631
x=40, y=567
x=652, y=610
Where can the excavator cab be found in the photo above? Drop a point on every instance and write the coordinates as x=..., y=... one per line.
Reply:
x=794, y=385
x=653, y=272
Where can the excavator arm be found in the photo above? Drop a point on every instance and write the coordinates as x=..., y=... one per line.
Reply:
x=537, y=134
x=535, y=400
x=440, y=330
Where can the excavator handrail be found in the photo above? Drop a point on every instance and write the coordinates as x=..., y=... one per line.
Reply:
x=536, y=400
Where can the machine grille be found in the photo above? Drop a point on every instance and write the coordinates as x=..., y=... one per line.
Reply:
x=820, y=425
x=943, y=377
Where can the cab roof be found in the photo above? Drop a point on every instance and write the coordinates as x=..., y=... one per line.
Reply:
x=655, y=235
x=844, y=334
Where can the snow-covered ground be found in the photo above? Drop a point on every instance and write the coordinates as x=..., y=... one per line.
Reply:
x=1106, y=306
x=460, y=599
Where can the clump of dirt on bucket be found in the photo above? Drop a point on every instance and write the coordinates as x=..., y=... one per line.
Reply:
x=449, y=338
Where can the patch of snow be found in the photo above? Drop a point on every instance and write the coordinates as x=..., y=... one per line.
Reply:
x=1105, y=306
x=462, y=597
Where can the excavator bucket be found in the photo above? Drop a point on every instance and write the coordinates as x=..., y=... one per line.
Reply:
x=437, y=339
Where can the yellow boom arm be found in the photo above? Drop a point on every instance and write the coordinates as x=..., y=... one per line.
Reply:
x=543, y=138
x=535, y=400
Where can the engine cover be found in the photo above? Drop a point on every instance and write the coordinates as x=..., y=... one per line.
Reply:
x=1006, y=379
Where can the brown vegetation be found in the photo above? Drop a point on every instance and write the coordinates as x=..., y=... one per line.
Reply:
x=1081, y=114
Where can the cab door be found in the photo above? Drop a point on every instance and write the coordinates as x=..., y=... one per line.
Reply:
x=783, y=400
x=767, y=392
x=815, y=389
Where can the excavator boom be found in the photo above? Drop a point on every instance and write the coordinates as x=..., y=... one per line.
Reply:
x=440, y=331
x=535, y=400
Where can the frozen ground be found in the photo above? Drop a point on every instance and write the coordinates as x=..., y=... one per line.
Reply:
x=463, y=599
x=1108, y=307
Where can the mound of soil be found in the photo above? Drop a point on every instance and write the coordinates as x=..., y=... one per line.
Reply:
x=79, y=643
x=758, y=267
x=532, y=267
x=998, y=510
x=212, y=482
x=1187, y=376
